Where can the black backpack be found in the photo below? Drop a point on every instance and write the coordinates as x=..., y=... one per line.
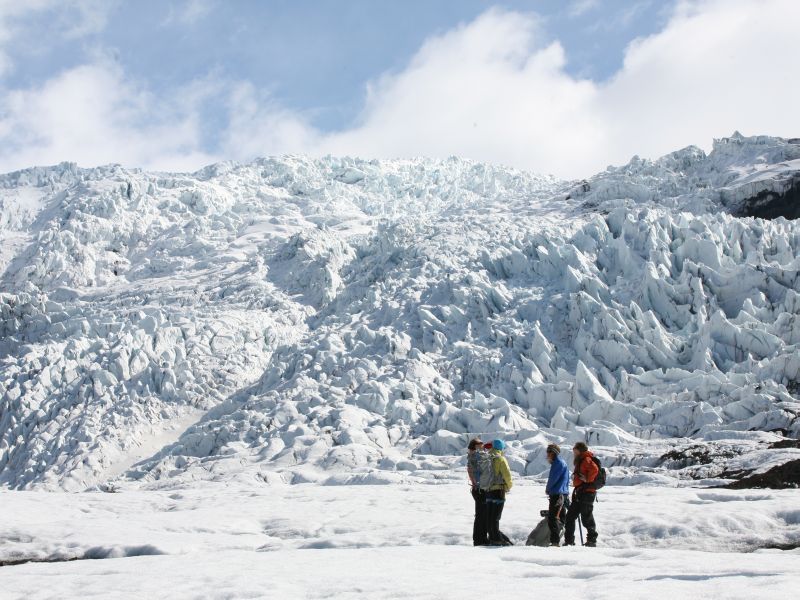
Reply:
x=600, y=480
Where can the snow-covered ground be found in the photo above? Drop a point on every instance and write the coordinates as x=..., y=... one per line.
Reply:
x=390, y=541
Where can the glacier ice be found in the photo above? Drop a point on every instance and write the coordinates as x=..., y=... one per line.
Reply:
x=343, y=321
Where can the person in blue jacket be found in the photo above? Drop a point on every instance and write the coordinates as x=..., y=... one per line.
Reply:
x=557, y=491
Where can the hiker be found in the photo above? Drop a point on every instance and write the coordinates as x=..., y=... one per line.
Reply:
x=583, y=497
x=557, y=490
x=497, y=489
x=475, y=451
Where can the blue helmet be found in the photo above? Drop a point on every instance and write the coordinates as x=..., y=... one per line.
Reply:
x=498, y=445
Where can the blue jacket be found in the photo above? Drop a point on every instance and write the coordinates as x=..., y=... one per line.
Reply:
x=558, y=480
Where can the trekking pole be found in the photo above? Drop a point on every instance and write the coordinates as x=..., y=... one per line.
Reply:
x=580, y=528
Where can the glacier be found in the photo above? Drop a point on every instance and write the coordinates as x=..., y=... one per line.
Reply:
x=347, y=321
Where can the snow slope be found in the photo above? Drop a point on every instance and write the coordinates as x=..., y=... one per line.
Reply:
x=349, y=321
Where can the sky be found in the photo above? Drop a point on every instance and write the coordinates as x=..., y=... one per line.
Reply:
x=565, y=87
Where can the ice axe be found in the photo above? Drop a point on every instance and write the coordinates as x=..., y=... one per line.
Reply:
x=580, y=529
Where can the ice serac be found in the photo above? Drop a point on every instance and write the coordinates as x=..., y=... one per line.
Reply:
x=346, y=321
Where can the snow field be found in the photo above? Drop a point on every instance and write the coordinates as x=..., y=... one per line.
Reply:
x=390, y=541
x=426, y=573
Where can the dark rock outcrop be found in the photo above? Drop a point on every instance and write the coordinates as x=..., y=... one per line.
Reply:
x=771, y=205
x=779, y=477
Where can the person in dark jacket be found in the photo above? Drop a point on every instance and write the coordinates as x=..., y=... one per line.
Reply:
x=557, y=491
x=583, y=496
x=480, y=535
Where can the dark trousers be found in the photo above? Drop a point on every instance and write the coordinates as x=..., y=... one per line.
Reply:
x=583, y=506
x=479, y=534
x=556, y=515
x=495, y=500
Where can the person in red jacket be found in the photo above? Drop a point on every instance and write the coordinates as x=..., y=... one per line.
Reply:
x=583, y=497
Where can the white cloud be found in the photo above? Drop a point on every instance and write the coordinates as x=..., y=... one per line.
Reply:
x=79, y=18
x=621, y=19
x=482, y=90
x=488, y=90
x=578, y=8
x=68, y=19
x=93, y=115
x=718, y=66
x=258, y=126
x=189, y=12
x=10, y=12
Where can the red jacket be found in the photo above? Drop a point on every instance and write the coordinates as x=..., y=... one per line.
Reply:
x=586, y=467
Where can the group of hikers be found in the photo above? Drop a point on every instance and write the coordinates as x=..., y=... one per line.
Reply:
x=490, y=481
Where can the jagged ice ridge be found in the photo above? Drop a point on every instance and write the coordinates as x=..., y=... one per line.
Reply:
x=345, y=321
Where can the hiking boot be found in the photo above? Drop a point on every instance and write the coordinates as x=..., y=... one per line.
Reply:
x=591, y=544
x=552, y=545
x=569, y=542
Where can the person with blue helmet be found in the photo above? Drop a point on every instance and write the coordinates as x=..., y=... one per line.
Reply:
x=499, y=486
x=475, y=455
x=557, y=491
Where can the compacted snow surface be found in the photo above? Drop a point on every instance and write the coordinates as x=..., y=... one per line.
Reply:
x=390, y=541
x=333, y=322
